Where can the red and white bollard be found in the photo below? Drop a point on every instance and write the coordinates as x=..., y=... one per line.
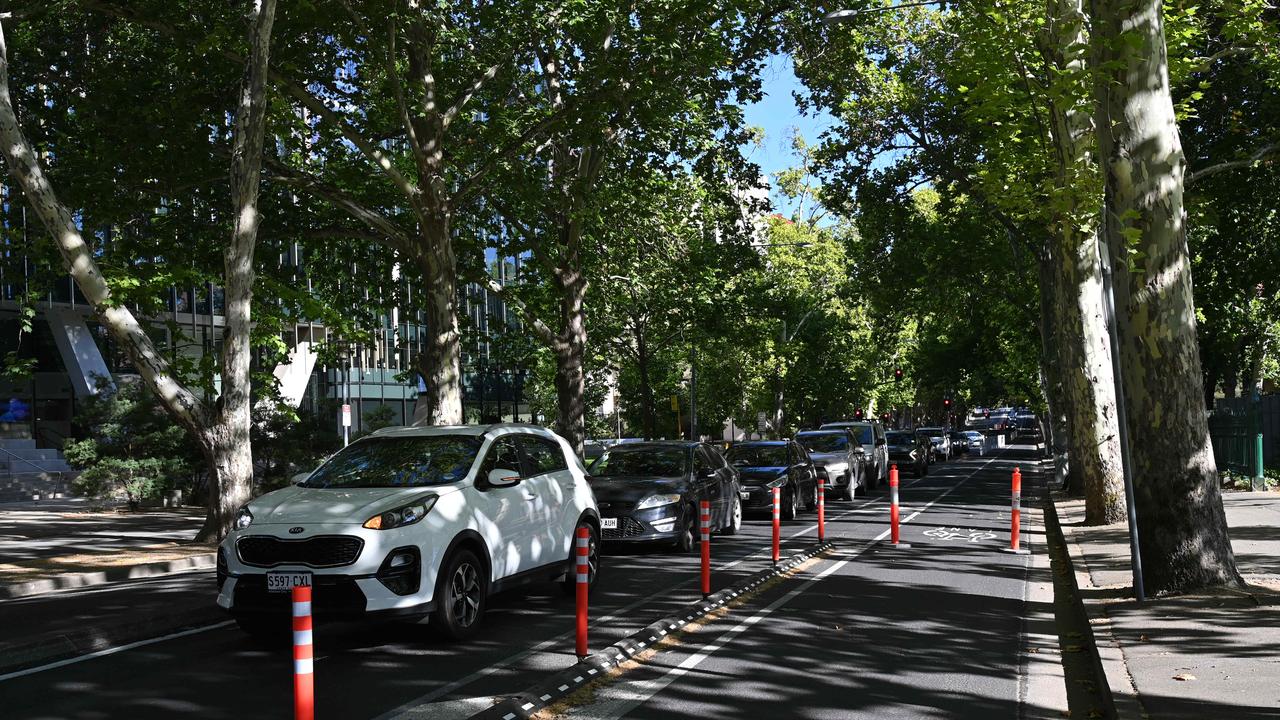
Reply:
x=582, y=546
x=822, y=509
x=304, y=699
x=894, y=534
x=1015, y=517
x=777, y=524
x=704, y=526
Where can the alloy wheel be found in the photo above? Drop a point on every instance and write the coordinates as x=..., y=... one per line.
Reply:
x=464, y=594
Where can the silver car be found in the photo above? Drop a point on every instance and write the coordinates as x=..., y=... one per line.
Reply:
x=870, y=434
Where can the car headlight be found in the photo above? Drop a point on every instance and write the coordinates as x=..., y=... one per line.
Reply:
x=243, y=519
x=654, y=501
x=912, y=455
x=402, y=516
x=837, y=469
x=777, y=482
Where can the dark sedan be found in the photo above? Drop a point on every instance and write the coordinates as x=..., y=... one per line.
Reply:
x=767, y=464
x=909, y=451
x=841, y=456
x=649, y=492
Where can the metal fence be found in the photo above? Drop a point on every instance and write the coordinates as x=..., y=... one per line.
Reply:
x=1246, y=434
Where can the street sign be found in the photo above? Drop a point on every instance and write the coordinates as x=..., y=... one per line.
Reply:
x=675, y=404
x=762, y=421
x=346, y=415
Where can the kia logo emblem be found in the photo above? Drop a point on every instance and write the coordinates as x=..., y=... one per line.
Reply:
x=296, y=530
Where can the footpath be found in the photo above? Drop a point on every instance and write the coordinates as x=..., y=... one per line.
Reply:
x=75, y=579
x=1197, y=656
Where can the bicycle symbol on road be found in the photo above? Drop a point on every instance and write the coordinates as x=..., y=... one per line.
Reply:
x=961, y=534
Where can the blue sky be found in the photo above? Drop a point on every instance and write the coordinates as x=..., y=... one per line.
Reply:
x=777, y=114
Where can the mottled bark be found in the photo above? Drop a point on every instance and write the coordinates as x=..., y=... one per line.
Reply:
x=1051, y=365
x=1181, y=524
x=1088, y=383
x=441, y=361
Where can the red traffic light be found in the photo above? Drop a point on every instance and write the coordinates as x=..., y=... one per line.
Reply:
x=897, y=373
x=947, y=402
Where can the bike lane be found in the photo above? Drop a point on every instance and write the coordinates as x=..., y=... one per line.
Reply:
x=936, y=630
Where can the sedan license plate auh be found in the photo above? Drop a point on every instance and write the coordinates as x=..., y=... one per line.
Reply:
x=608, y=523
x=287, y=581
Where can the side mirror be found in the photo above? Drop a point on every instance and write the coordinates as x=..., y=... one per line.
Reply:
x=300, y=477
x=859, y=450
x=503, y=478
x=879, y=442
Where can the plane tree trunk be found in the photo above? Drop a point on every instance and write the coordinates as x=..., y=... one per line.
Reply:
x=1182, y=527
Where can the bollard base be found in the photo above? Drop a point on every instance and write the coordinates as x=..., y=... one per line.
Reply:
x=898, y=545
x=1019, y=551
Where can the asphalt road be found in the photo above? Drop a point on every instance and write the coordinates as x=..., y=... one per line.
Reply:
x=872, y=631
x=932, y=631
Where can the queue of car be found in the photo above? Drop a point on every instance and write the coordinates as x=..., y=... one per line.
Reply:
x=428, y=522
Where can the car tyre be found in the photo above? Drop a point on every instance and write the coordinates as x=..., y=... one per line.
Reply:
x=461, y=596
x=570, y=584
x=684, y=541
x=790, y=503
x=735, y=518
x=811, y=502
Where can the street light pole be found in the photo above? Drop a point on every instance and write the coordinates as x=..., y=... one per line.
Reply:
x=1126, y=454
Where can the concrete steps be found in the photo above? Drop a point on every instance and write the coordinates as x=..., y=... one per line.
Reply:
x=30, y=473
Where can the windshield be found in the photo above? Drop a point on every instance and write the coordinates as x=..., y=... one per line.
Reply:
x=663, y=462
x=394, y=462
x=824, y=442
x=757, y=456
x=898, y=438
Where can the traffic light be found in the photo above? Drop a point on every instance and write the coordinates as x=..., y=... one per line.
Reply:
x=858, y=413
x=946, y=402
x=897, y=374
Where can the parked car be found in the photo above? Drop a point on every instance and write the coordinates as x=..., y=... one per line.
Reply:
x=870, y=433
x=841, y=456
x=765, y=464
x=959, y=442
x=412, y=522
x=977, y=441
x=940, y=439
x=650, y=492
x=909, y=451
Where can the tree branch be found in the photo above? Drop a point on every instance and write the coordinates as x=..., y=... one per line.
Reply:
x=393, y=236
x=293, y=88
x=465, y=98
x=1261, y=156
x=540, y=329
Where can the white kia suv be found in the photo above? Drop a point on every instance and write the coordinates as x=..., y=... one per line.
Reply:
x=412, y=522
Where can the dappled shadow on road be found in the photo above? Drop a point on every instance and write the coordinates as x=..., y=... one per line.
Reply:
x=869, y=644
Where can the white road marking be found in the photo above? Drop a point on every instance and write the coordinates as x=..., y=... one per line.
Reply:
x=629, y=696
x=110, y=651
